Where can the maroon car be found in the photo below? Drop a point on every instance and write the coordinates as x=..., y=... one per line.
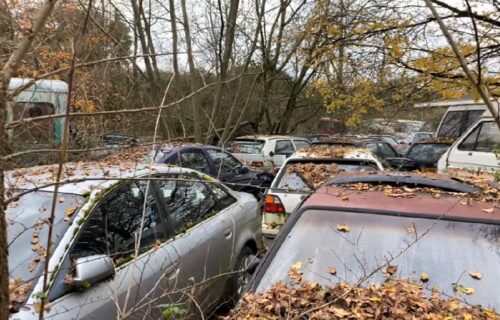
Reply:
x=435, y=231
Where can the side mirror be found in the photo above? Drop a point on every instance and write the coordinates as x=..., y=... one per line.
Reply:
x=271, y=153
x=92, y=269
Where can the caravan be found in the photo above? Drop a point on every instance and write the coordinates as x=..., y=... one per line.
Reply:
x=460, y=115
x=43, y=98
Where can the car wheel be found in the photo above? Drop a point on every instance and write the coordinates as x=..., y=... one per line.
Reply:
x=239, y=280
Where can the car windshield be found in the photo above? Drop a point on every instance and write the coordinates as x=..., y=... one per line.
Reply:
x=389, y=140
x=421, y=136
x=427, y=152
x=446, y=251
x=334, y=144
x=309, y=175
x=246, y=146
x=28, y=230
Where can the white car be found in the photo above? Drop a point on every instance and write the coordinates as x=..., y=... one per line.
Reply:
x=127, y=240
x=474, y=149
x=266, y=150
x=305, y=171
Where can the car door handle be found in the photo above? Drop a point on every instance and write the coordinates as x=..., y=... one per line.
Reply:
x=228, y=233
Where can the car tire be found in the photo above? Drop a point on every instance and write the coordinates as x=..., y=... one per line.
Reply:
x=237, y=283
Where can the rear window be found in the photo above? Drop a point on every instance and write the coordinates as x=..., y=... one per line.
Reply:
x=246, y=146
x=446, y=251
x=455, y=123
x=427, y=152
x=307, y=176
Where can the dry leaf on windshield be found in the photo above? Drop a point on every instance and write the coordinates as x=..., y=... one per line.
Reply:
x=390, y=270
x=344, y=198
x=394, y=300
x=461, y=289
x=295, y=272
x=343, y=228
x=424, y=277
x=68, y=213
x=476, y=275
x=332, y=270
x=410, y=229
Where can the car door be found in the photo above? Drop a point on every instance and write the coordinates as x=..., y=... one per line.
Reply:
x=143, y=269
x=204, y=235
x=475, y=150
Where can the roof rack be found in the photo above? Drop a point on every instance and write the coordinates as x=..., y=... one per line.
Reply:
x=408, y=180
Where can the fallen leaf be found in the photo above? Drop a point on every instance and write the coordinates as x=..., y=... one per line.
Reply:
x=344, y=198
x=68, y=213
x=343, y=228
x=424, y=277
x=332, y=270
x=42, y=209
x=410, y=229
x=465, y=290
x=490, y=210
x=390, y=270
x=476, y=275
x=297, y=265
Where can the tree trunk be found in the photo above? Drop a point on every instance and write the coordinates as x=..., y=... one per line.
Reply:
x=193, y=75
x=173, y=24
x=228, y=49
x=7, y=71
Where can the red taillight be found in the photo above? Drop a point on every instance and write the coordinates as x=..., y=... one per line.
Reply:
x=273, y=205
x=257, y=164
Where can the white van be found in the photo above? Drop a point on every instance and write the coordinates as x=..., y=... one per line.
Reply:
x=460, y=115
x=474, y=149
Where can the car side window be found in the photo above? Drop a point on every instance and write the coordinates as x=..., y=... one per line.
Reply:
x=194, y=159
x=115, y=224
x=224, y=162
x=187, y=202
x=284, y=147
x=386, y=150
x=488, y=137
x=299, y=144
x=224, y=198
x=469, y=143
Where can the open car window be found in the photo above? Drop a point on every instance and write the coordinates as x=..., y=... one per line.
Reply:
x=447, y=253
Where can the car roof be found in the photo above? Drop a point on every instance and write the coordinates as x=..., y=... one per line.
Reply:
x=268, y=137
x=82, y=177
x=333, y=153
x=436, y=203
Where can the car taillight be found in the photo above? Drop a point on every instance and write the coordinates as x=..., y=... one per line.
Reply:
x=273, y=205
x=257, y=164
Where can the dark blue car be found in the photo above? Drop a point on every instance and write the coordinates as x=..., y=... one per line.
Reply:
x=216, y=163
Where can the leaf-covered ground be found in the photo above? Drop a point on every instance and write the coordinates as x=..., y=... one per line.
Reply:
x=394, y=299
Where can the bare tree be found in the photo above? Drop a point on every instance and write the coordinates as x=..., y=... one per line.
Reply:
x=193, y=75
x=5, y=75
